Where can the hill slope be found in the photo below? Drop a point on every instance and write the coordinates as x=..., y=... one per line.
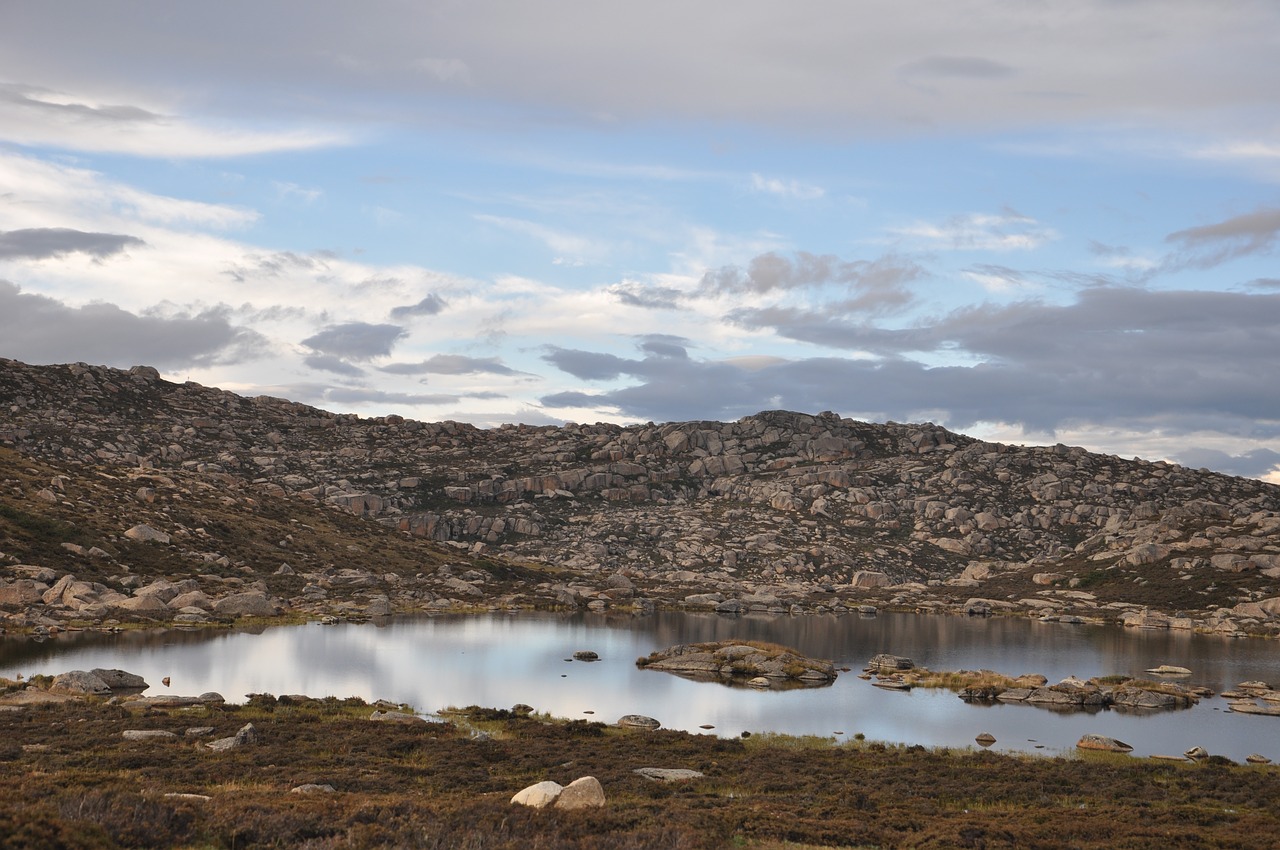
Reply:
x=771, y=512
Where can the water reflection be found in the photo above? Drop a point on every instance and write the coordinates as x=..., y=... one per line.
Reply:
x=500, y=660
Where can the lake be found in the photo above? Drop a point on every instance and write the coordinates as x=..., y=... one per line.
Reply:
x=501, y=659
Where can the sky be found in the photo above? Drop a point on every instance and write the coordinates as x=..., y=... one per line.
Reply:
x=1030, y=222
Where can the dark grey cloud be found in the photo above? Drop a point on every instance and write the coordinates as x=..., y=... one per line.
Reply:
x=665, y=345
x=40, y=329
x=1120, y=357
x=647, y=296
x=40, y=243
x=356, y=340
x=1264, y=283
x=428, y=306
x=589, y=365
x=810, y=67
x=1251, y=464
x=1213, y=244
x=971, y=67
x=872, y=286
x=53, y=103
x=332, y=363
x=451, y=364
x=276, y=264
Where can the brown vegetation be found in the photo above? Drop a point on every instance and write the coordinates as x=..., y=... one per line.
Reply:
x=69, y=779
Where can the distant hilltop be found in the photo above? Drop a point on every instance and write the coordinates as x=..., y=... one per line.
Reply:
x=779, y=511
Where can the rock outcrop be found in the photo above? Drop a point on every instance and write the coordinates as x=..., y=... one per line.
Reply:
x=776, y=512
x=739, y=662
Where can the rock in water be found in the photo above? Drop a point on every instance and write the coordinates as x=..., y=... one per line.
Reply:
x=638, y=721
x=1102, y=743
x=886, y=663
x=737, y=661
x=120, y=680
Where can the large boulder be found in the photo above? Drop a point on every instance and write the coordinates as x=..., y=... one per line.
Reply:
x=538, y=796
x=80, y=683
x=869, y=578
x=142, y=606
x=886, y=663
x=638, y=721
x=145, y=534
x=582, y=793
x=22, y=592
x=120, y=680
x=251, y=603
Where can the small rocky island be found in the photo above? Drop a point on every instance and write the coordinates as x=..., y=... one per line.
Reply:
x=752, y=663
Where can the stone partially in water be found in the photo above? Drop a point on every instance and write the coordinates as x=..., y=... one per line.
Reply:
x=1103, y=743
x=730, y=661
x=638, y=721
x=886, y=663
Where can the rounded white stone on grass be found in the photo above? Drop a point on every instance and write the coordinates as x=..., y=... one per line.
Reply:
x=538, y=796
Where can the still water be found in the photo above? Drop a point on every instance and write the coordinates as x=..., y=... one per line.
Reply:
x=502, y=659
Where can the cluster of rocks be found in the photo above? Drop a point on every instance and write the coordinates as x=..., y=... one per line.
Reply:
x=778, y=512
x=757, y=665
x=181, y=602
x=985, y=686
x=1072, y=693
x=582, y=793
x=1244, y=699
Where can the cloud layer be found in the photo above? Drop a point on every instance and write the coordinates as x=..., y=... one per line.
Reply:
x=675, y=211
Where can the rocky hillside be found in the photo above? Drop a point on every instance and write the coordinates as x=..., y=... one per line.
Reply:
x=774, y=511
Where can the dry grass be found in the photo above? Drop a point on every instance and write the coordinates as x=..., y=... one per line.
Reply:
x=436, y=785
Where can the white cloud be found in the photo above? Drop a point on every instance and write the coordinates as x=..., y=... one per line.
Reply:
x=292, y=191
x=786, y=188
x=43, y=193
x=37, y=117
x=1007, y=231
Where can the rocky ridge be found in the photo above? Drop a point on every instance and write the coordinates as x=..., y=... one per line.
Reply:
x=779, y=511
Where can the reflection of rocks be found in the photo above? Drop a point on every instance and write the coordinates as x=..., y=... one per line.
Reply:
x=734, y=660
